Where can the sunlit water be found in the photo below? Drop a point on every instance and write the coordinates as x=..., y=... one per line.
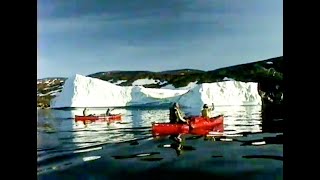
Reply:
x=106, y=150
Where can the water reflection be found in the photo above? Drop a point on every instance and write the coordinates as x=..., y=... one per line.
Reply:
x=177, y=147
x=72, y=141
x=134, y=155
x=144, y=117
x=238, y=119
x=278, y=139
x=241, y=119
x=280, y=158
x=151, y=159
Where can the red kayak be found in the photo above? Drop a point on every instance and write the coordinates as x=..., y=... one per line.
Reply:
x=197, y=125
x=98, y=118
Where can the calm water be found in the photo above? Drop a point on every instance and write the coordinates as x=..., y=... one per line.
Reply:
x=251, y=147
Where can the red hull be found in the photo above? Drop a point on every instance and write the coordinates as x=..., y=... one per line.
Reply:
x=98, y=118
x=169, y=129
x=207, y=123
x=197, y=125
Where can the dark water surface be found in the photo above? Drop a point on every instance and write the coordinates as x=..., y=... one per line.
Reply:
x=251, y=147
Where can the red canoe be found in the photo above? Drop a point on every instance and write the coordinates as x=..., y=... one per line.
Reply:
x=169, y=129
x=197, y=124
x=207, y=123
x=98, y=118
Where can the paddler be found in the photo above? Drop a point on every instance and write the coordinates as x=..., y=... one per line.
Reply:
x=108, y=112
x=85, y=112
x=176, y=116
x=206, y=111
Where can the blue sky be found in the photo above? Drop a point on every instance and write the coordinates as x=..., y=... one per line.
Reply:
x=88, y=36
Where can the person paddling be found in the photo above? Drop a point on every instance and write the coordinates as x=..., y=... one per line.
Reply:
x=85, y=112
x=176, y=116
x=108, y=112
x=206, y=111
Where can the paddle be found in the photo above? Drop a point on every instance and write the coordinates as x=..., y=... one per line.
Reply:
x=109, y=112
x=212, y=106
x=183, y=94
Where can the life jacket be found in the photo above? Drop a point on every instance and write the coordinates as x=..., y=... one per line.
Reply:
x=205, y=112
x=173, y=115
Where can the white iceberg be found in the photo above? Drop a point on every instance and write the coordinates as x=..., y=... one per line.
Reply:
x=81, y=91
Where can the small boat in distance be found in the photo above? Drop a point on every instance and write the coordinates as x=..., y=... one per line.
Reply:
x=98, y=118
